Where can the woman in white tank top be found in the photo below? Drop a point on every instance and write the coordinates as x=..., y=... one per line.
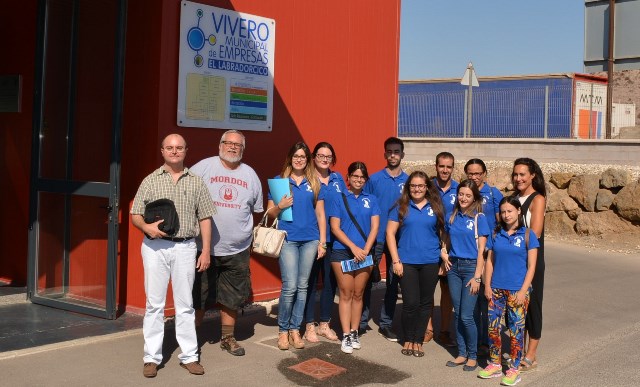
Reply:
x=531, y=191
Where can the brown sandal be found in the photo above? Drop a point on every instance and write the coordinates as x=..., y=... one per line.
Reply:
x=310, y=333
x=283, y=340
x=428, y=336
x=295, y=340
x=325, y=331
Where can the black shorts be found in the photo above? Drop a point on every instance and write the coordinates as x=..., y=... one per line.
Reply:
x=226, y=282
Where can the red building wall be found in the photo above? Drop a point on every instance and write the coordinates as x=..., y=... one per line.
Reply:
x=17, y=39
x=336, y=71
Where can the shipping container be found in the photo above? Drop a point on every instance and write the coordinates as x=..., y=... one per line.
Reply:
x=622, y=115
x=566, y=105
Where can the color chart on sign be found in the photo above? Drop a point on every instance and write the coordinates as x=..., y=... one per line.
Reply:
x=248, y=101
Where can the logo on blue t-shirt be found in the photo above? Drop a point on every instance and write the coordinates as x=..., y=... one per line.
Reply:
x=309, y=188
x=469, y=224
x=452, y=199
x=430, y=211
x=484, y=200
x=401, y=185
x=337, y=186
x=517, y=241
x=366, y=202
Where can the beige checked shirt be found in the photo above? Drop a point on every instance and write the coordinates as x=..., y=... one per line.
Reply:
x=189, y=194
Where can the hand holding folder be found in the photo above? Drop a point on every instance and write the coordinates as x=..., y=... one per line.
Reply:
x=278, y=188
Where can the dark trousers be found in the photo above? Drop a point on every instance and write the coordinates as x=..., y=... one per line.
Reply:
x=418, y=285
x=391, y=293
x=534, y=313
x=322, y=267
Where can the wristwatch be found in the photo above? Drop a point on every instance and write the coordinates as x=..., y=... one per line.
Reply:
x=478, y=280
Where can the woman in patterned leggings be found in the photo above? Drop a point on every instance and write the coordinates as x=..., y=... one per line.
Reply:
x=508, y=275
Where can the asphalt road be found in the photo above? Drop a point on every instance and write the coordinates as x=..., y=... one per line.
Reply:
x=591, y=337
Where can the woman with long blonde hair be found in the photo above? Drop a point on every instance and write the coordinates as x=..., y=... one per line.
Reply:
x=306, y=240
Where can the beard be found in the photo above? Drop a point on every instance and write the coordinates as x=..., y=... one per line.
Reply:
x=230, y=157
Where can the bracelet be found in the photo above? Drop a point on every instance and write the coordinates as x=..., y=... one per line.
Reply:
x=478, y=280
x=396, y=262
x=323, y=245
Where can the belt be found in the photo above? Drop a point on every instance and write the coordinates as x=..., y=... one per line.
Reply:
x=176, y=239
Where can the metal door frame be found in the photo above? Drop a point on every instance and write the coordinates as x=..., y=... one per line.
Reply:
x=110, y=190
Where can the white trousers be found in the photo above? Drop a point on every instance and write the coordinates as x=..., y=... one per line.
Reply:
x=163, y=260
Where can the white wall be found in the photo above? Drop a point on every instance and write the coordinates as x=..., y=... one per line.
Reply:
x=615, y=152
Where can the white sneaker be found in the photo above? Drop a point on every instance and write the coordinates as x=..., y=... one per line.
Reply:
x=346, y=346
x=355, y=340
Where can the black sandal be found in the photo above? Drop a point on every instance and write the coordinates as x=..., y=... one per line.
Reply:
x=417, y=352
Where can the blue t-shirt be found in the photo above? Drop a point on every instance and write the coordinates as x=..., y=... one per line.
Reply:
x=388, y=190
x=304, y=226
x=491, y=197
x=417, y=237
x=462, y=234
x=510, y=258
x=362, y=207
x=448, y=197
x=335, y=187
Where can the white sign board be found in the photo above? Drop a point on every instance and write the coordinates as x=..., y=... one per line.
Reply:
x=469, y=77
x=226, y=69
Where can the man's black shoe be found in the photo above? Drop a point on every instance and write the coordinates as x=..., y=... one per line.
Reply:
x=362, y=331
x=388, y=334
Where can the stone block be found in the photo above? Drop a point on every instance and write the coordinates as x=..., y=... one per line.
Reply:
x=604, y=200
x=613, y=178
x=558, y=223
x=627, y=202
x=584, y=189
x=561, y=179
x=598, y=223
x=500, y=178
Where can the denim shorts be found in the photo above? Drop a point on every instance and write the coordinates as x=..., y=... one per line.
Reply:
x=341, y=255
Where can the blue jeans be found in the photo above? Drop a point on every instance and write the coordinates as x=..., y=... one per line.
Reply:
x=464, y=305
x=296, y=260
x=391, y=293
x=328, y=293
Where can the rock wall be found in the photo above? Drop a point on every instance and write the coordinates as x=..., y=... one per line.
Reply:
x=593, y=204
x=577, y=203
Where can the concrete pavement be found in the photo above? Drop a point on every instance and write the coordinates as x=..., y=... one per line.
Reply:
x=590, y=337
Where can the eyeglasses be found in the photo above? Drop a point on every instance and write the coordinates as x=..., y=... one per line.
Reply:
x=178, y=149
x=324, y=157
x=232, y=144
x=475, y=174
x=417, y=186
x=358, y=177
x=299, y=157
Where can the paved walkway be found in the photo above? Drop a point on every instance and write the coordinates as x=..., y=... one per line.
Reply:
x=591, y=336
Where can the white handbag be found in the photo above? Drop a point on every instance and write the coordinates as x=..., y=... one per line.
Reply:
x=268, y=240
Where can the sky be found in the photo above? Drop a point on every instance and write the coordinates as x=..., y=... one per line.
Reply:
x=438, y=38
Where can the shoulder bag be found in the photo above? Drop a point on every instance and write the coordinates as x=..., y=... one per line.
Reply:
x=268, y=240
x=375, y=273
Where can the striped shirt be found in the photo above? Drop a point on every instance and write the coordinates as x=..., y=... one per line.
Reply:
x=189, y=194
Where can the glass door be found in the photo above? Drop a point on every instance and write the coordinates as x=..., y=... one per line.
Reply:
x=73, y=232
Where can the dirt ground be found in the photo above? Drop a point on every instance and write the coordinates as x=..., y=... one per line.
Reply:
x=628, y=243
